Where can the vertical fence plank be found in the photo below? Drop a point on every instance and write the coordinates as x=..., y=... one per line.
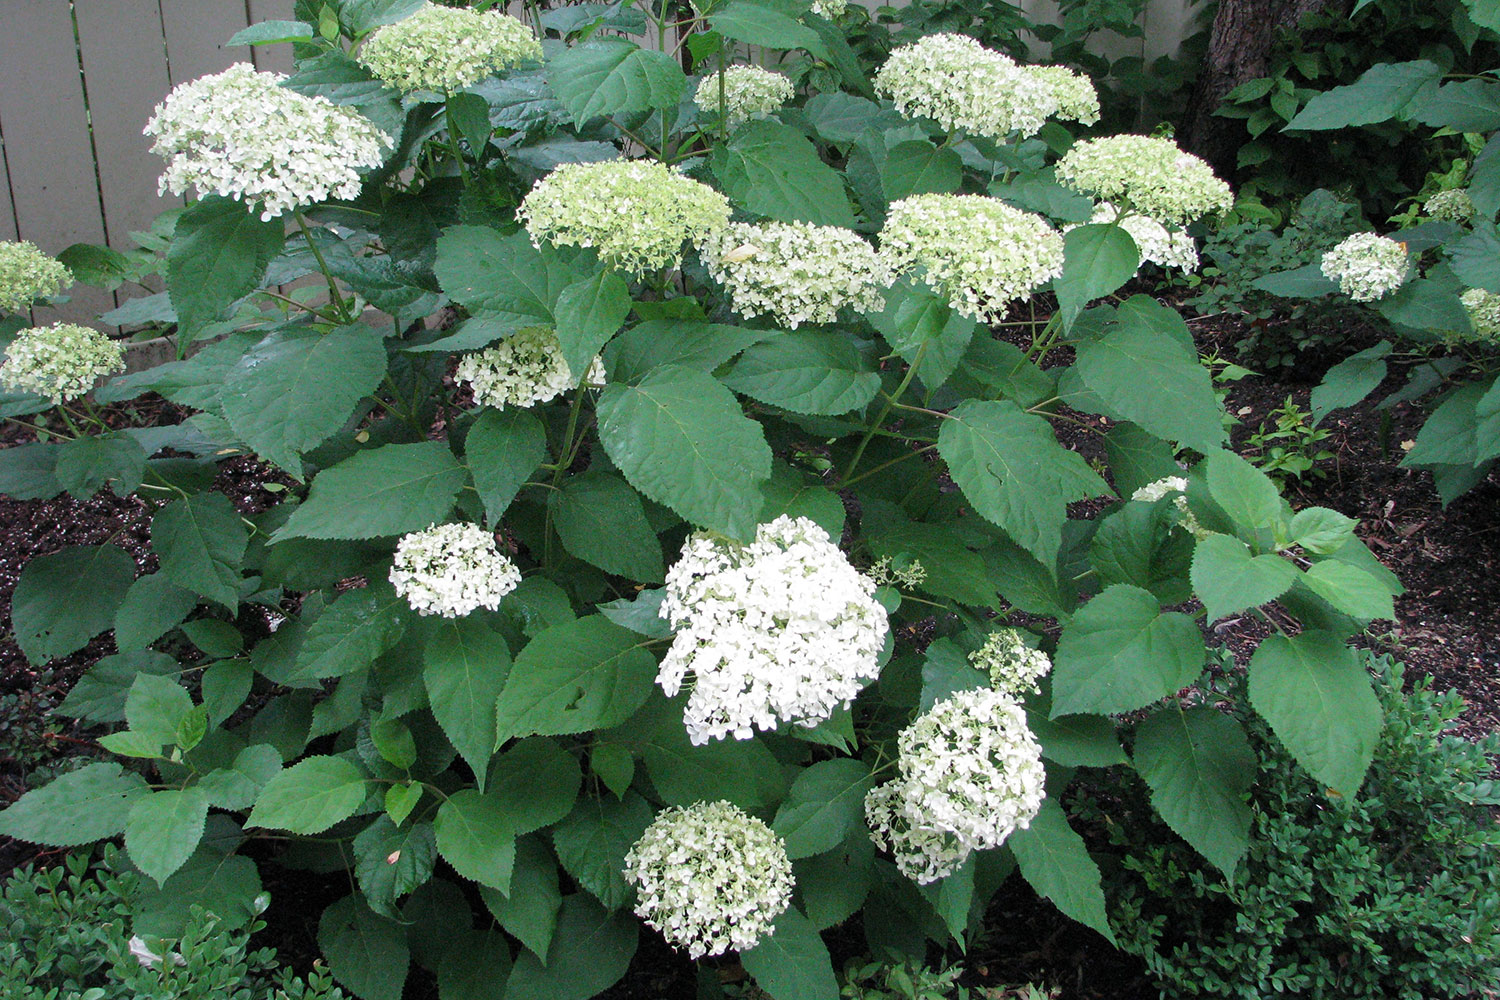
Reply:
x=197, y=31
x=7, y=210
x=47, y=145
x=125, y=71
x=276, y=58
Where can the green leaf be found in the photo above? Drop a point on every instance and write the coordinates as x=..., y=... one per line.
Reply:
x=588, y=313
x=772, y=170
x=99, y=695
x=1243, y=492
x=761, y=24
x=691, y=343
x=79, y=807
x=1464, y=106
x=1384, y=91
x=946, y=670
x=219, y=253
x=366, y=953
x=581, y=675
x=1135, y=365
x=1011, y=468
x=156, y=706
x=201, y=542
x=476, y=838
x=740, y=771
x=680, y=438
x=271, y=33
x=1200, y=767
x=536, y=782
x=1097, y=259
x=1053, y=858
x=226, y=685
x=825, y=803
x=592, y=843
x=1317, y=697
x=310, y=796
x=1122, y=652
x=237, y=786
x=465, y=666
x=390, y=490
x=1073, y=740
x=501, y=278
x=26, y=469
x=400, y=800
x=86, y=465
x=805, y=371
x=1350, y=381
x=1350, y=589
x=914, y=315
x=360, y=626
x=295, y=389
x=614, y=765
x=589, y=953
x=1485, y=13
x=391, y=862
x=1229, y=578
x=792, y=963
x=952, y=570
x=65, y=599
x=530, y=911
x=609, y=76
x=1320, y=530
x=502, y=450
x=601, y=520
x=920, y=167
x=1426, y=305
x=164, y=828
x=1305, y=282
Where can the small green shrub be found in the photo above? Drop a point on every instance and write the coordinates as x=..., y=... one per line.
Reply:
x=64, y=936
x=1288, y=446
x=1394, y=894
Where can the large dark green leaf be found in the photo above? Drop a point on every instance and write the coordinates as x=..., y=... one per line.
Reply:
x=601, y=520
x=610, y=76
x=805, y=371
x=219, y=253
x=65, y=599
x=1053, y=858
x=771, y=169
x=390, y=490
x=1200, y=768
x=793, y=962
x=582, y=675
x=1122, y=652
x=590, y=951
x=1384, y=91
x=201, y=543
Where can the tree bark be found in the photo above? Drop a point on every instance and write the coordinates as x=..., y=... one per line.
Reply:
x=1239, y=50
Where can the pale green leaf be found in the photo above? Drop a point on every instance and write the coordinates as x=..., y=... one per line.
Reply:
x=1122, y=652
x=1229, y=578
x=310, y=796
x=201, y=543
x=476, y=838
x=390, y=490
x=164, y=828
x=1200, y=767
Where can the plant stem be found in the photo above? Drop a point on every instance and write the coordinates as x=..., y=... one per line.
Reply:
x=337, y=300
x=886, y=465
x=453, y=146
x=911, y=373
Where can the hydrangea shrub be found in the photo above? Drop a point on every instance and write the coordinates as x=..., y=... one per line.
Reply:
x=667, y=534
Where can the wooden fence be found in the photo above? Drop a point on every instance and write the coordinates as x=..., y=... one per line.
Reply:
x=79, y=79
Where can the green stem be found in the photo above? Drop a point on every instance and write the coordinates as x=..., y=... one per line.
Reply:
x=340, y=310
x=886, y=465
x=911, y=373
x=564, y=454
x=453, y=146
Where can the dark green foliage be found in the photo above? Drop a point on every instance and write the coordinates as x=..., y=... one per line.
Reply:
x=1395, y=894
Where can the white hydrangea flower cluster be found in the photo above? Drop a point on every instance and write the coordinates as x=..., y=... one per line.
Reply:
x=830, y=9
x=970, y=775
x=241, y=135
x=522, y=370
x=1484, y=313
x=1014, y=668
x=978, y=251
x=1157, y=244
x=451, y=570
x=780, y=630
x=1453, y=205
x=636, y=213
x=445, y=49
x=27, y=274
x=1077, y=100
x=796, y=271
x=61, y=361
x=1152, y=492
x=964, y=86
x=1366, y=266
x=749, y=92
x=1147, y=174
x=710, y=877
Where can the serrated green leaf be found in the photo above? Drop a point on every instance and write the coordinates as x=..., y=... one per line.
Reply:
x=953, y=571
x=680, y=438
x=1073, y=740
x=580, y=675
x=310, y=796
x=79, y=807
x=1122, y=652
x=501, y=278
x=1384, y=91
x=156, y=705
x=219, y=252
x=1243, y=492
x=589, y=952
x=530, y=911
x=87, y=464
x=536, y=782
x=295, y=389
x=476, y=838
x=358, y=627
x=390, y=862
x=465, y=666
x=99, y=695
x=691, y=343
x=609, y=76
x=592, y=842
x=400, y=800
x=366, y=952
x=390, y=490
x=475, y=966
x=1349, y=589
x=1317, y=697
x=792, y=963
x=131, y=744
x=237, y=786
x=65, y=599
x=772, y=170
x=1053, y=858
x=805, y=371
x=503, y=449
x=588, y=313
x=825, y=803
x=614, y=766
x=272, y=33
x=1229, y=578
x=1320, y=530
x=164, y=828
x=1200, y=767
x=740, y=771
x=915, y=316
x=1350, y=381
x=920, y=167
x=1097, y=259
x=201, y=543
x=601, y=520
x=226, y=685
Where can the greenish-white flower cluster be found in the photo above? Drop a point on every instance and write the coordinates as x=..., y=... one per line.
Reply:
x=1014, y=667
x=795, y=271
x=964, y=86
x=27, y=274
x=831, y=9
x=978, y=252
x=970, y=774
x=1366, y=266
x=522, y=370
x=1167, y=486
x=886, y=574
x=1074, y=93
x=710, y=877
x=1156, y=243
x=636, y=214
x=1484, y=313
x=241, y=135
x=445, y=49
x=451, y=570
x=749, y=92
x=61, y=361
x=1453, y=205
x=1145, y=174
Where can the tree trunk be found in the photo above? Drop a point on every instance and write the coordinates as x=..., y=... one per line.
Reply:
x=1239, y=49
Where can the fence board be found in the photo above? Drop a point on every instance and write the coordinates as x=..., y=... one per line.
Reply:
x=277, y=58
x=125, y=70
x=7, y=210
x=196, y=31
x=47, y=149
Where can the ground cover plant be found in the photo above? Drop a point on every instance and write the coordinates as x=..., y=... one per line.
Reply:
x=653, y=478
